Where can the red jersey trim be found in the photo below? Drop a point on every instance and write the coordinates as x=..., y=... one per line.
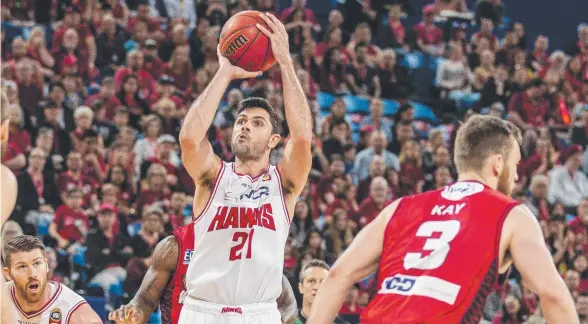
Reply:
x=211, y=198
x=42, y=309
x=286, y=213
x=266, y=170
x=73, y=309
x=502, y=218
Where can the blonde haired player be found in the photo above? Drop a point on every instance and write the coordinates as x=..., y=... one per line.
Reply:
x=8, y=190
x=35, y=299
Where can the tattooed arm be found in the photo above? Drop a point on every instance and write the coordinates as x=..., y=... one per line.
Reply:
x=287, y=303
x=139, y=309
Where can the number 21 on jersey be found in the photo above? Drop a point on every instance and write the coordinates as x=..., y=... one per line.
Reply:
x=437, y=246
x=241, y=238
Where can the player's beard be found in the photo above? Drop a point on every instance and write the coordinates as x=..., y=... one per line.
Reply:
x=504, y=184
x=27, y=295
x=248, y=150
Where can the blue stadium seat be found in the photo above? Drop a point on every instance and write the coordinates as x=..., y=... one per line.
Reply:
x=325, y=100
x=390, y=107
x=424, y=112
x=98, y=304
x=357, y=105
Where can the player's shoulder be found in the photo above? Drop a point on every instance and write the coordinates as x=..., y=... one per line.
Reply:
x=7, y=175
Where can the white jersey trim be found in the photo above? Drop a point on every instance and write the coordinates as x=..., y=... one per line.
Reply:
x=53, y=298
x=217, y=180
x=279, y=175
x=73, y=309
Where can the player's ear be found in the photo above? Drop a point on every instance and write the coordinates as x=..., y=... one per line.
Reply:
x=7, y=274
x=497, y=163
x=300, y=287
x=274, y=141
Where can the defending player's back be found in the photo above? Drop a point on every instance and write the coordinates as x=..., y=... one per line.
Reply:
x=440, y=256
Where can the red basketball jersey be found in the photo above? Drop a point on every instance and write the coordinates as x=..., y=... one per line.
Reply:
x=173, y=297
x=439, y=261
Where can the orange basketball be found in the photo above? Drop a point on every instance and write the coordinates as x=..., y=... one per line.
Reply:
x=244, y=44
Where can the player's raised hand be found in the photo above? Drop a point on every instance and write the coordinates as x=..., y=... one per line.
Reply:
x=127, y=314
x=233, y=71
x=278, y=36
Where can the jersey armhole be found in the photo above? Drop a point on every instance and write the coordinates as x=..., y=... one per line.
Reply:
x=283, y=197
x=501, y=221
x=217, y=180
x=400, y=203
x=73, y=309
x=179, y=259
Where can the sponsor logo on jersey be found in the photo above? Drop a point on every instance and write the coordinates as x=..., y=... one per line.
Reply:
x=55, y=316
x=255, y=194
x=266, y=177
x=398, y=283
x=237, y=310
x=244, y=192
x=188, y=256
x=460, y=190
x=243, y=217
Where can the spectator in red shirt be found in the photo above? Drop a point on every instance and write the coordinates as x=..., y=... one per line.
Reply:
x=87, y=44
x=333, y=40
x=374, y=203
x=486, y=30
x=393, y=35
x=105, y=99
x=580, y=264
x=17, y=134
x=351, y=305
x=147, y=88
x=153, y=26
x=411, y=170
x=363, y=35
x=73, y=178
x=83, y=118
x=180, y=68
x=298, y=5
x=71, y=224
x=528, y=110
x=94, y=165
x=30, y=93
x=153, y=63
x=429, y=36
x=156, y=187
x=539, y=58
x=580, y=223
x=572, y=280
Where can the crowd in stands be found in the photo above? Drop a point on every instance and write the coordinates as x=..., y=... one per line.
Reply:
x=98, y=90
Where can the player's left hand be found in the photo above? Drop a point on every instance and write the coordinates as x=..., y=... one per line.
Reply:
x=278, y=37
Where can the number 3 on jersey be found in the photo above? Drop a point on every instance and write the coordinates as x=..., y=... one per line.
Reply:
x=241, y=238
x=438, y=247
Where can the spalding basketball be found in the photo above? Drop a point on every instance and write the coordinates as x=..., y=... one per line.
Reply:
x=244, y=44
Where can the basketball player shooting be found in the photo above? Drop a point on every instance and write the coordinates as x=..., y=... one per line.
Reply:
x=164, y=283
x=9, y=189
x=33, y=298
x=439, y=254
x=243, y=208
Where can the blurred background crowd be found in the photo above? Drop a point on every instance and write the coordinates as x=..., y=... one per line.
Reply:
x=98, y=90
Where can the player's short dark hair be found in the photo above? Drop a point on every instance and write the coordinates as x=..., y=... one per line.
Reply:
x=314, y=263
x=257, y=102
x=21, y=243
x=480, y=137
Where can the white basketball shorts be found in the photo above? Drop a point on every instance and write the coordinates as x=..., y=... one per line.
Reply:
x=198, y=311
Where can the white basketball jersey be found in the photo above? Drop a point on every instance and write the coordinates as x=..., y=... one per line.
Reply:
x=57, y=310
x=239, y=240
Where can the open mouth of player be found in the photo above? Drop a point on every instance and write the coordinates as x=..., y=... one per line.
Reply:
x=34, y=287
x=242, y=137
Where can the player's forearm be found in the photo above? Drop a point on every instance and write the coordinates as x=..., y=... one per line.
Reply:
x=559, y=308
x=297, y=110
x=329, y=300
x=202, y=112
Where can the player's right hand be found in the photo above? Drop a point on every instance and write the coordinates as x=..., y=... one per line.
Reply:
x=127, y=314
x=233, y=71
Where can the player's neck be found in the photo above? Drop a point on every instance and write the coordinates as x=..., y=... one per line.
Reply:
x=251, y=168
x=33, y=307
x=473, y=176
